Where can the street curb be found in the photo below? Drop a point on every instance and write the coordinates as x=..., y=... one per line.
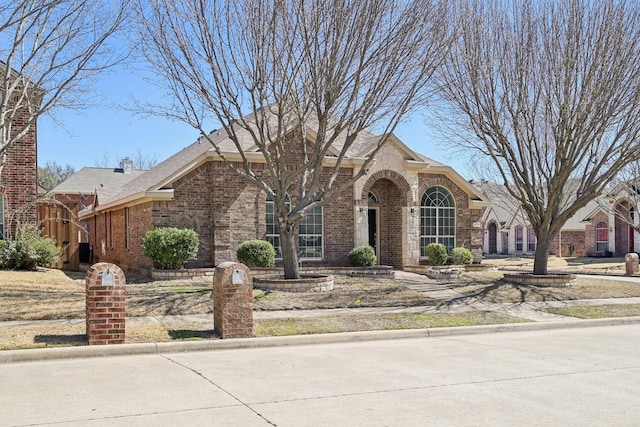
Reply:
x=30, y=355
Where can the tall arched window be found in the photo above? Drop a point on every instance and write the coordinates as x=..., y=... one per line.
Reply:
x=602, y=237
x=437, y=219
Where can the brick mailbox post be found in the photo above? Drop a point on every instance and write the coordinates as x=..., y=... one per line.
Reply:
x=233, y=301
x=631, y=263
x=106, y=304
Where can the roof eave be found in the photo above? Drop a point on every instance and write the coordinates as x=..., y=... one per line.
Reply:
x=131, y=200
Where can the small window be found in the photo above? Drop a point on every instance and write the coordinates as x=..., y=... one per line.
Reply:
x=531, y=240
x=373, y=199
x=602, y=237
x=519, y=236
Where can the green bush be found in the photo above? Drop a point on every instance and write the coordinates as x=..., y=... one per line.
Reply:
x=461, y=256
x=170, y=248
x=256, y=253
x=28, y=250
x=362, y=256
x=437, y=253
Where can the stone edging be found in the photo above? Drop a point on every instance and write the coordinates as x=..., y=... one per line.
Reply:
x=550, y=280
x=184, y=273
x=304, y=284
x=189, y=273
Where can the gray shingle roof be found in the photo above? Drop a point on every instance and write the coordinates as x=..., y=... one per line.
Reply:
x=88, y=179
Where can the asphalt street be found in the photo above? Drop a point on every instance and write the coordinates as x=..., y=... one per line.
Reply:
x=563, y=377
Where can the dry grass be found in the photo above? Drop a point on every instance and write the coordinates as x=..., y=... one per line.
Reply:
x=42, y=336
x=597, y=311
x=52, y=294
x=490, y=287
x=45, y=294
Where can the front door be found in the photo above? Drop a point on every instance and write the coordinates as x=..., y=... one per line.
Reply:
x=493, y=238
x=373, y=229
x=631, y=240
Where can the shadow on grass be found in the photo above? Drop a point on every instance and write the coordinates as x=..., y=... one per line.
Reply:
x=189, y=334
x=502, y=291
x=79, y=339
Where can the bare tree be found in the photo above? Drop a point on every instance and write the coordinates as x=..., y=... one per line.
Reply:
x=550, y=91
x=49, y=52
x=141, y=160
x=269, y=72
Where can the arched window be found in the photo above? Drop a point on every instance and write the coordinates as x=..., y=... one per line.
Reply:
x=437, y=219
x=272, y=234
x=373, y=199
x=602, y=237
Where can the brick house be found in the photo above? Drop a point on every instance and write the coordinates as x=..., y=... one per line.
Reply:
x=404, y=202
x=507, y=230
x=606, y=232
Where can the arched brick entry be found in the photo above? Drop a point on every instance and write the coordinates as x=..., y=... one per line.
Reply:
x=385, y=215
x=392, y=176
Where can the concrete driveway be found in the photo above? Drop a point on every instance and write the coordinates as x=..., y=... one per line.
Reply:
x=568, y=377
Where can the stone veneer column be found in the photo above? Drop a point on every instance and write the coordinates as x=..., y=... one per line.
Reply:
x=106, y=304
x=233, y=300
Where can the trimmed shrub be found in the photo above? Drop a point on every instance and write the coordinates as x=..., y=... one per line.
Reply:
x=437, y=253
x=256, y=253
x=170, y=248
x=362, y=256
x=461, y=256
x=28, y=250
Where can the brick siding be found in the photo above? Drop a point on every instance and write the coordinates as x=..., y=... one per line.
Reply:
x=18, y=181
x=575, y=238
x=590, y=233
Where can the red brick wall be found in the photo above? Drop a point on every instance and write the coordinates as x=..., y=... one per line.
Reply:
x=575, y=238
x=590, y=233
x=224, y=208
x=18, y=181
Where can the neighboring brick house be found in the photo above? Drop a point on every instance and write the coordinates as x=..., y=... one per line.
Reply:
x=507, y=230
x=77, y=193
x=404, y=202
x=18, y=182
x=606, y=232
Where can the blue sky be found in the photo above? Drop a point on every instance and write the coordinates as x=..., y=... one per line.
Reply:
x=89, y=134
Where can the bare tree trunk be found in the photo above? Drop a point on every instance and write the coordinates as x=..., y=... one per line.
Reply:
x=289, y=251
x=541, y=257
